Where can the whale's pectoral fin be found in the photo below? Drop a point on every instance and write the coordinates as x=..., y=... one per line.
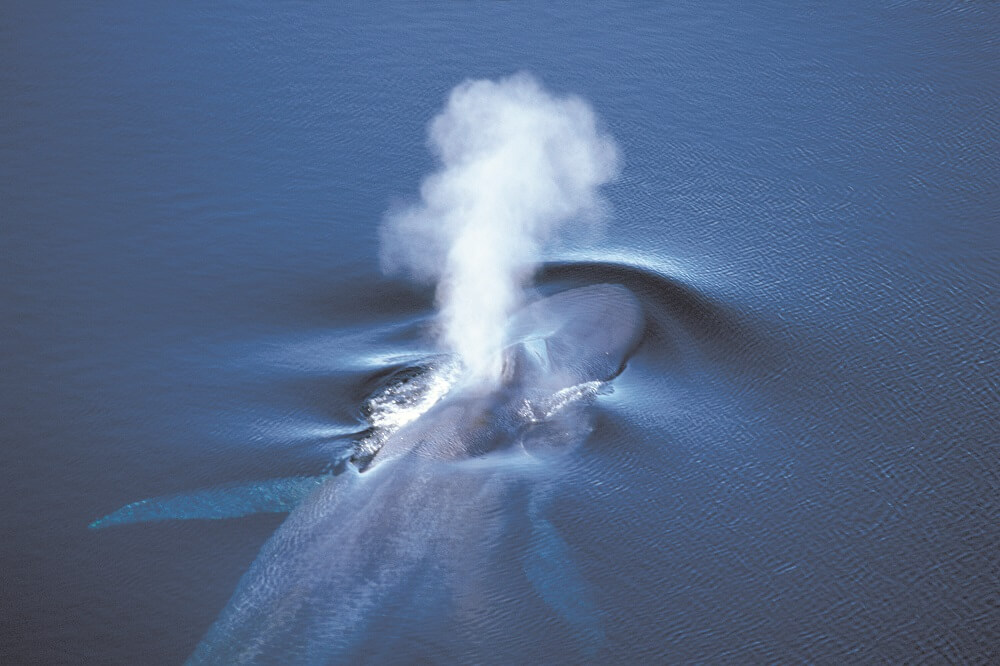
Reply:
x=550, y=568
x=274, y=496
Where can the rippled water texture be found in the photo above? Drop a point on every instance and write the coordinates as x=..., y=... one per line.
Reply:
x=798, y=463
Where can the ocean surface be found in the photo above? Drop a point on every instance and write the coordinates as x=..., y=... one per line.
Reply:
x=799, y=463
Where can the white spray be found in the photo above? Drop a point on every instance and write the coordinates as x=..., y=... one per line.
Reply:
x=517, y=165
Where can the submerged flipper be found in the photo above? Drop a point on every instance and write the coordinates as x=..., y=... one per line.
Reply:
x=550, y=568
x=273, y=496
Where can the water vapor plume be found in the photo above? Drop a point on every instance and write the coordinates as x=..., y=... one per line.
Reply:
x=517, y=165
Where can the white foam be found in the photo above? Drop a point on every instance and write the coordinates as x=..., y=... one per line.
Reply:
x=404, y=402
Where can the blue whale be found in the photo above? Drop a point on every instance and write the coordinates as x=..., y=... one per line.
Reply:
x=412, y=531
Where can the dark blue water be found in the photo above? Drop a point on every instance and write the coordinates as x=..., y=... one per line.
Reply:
x=800, y=462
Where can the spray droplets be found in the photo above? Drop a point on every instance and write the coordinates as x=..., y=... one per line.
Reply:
x=518, y=164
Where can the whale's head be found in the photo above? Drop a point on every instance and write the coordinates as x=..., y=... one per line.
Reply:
x=574, y=337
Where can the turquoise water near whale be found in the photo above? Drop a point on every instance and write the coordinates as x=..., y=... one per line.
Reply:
x=799, y=463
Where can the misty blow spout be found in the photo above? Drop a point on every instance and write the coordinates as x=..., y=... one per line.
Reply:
x=518, y=165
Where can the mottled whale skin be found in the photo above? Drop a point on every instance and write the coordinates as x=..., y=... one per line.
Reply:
x=409, y=537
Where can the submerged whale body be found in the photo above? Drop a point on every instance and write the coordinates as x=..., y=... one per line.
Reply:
x=408, y=542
